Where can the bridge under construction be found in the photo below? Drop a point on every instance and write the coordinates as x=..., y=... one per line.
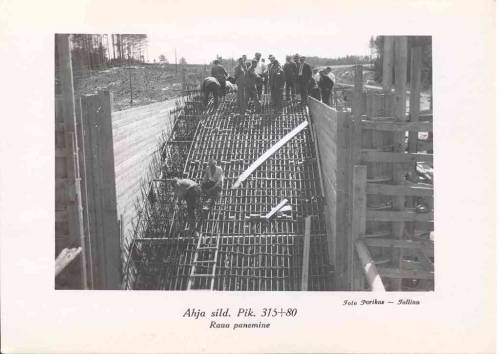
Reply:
x=239, y=247
x=315, y=197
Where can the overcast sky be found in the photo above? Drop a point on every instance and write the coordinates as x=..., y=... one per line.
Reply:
x=199, y=41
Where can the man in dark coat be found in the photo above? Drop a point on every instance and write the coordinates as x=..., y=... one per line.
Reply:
x=240, y=73
x=276, y=81
x=325, y=85
x=250, y=85
x=211, y=86
x=220, y=74
x=304, y=78
x=290, y=71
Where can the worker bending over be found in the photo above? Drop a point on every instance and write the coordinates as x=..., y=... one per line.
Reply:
x=210, y=86
x=190, y=191
x=221, y=75
x=213, y=177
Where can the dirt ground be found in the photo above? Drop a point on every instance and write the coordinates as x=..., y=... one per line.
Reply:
x=149, y=82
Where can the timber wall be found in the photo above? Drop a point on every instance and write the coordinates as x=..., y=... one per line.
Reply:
x=136, y=134
x=331, y=129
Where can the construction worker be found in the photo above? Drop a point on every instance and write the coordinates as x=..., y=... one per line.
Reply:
x=240, y=73
x=211, y=86
x=213, y=177
x=325, y=85
x=190, y=191
x=304, y=78
x=276, y=82
x=220, y=74
x=268, y=70
x=260, y=70
x=251, y=85
x=290, y=71
x=265, y=76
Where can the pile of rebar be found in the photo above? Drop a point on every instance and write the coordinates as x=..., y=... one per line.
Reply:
x=253, y=253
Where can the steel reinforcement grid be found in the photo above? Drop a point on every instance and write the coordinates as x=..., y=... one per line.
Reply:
x=253, y=253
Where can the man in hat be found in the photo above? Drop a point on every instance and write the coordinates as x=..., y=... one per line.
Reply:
x=213, y=177
x=271, y=57
x=240, y=73
x=260, y=70
x=304, y=78
x=190, y=191
x=290, y=71
x=250, y=85
x=276, y=81
x=325, y=85
x=211, y=86
x=220, y=74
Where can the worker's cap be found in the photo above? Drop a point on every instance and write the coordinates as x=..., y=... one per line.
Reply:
x=288, y=57
x=302, y=57
x=257, y=54
x=254, y=61
x=296, y=56
x=270, y=56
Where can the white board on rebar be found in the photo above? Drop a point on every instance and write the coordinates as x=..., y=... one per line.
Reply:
x=268, y=154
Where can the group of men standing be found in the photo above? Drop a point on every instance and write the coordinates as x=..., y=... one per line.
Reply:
x=253, y=77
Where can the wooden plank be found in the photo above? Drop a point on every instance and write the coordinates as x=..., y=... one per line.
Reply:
x=305, y=253
x=420, y=190
x=388, y=62
x=101, y=190
x=358, y=221
x=404, y=274
x=395, y=157
x=370, y=269
x=61, y=216
x=415, y=78
x=268, y=154
x=276, y=209
x=65, y=258
x=390, y=242
x=397, y=126
x=398, y=174
x=397, y=216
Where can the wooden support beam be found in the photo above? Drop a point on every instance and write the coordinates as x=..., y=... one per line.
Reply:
x=400, y=72
x=415, y=86
x=388, y=63
x=395, y=157
x=395, y=273
x=397, y=126
x=398, y=216
x=370, y=269
x=358, y=222
x=73, y=188
x=419, y=190
x=305, y=253
x=269, y=153
x=101, y=190
x=410, y=244
x=276, y=209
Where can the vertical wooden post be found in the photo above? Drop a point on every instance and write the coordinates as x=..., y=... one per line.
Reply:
x=398, y=171
x=387, y=65
x=73, y=196
x=305, y=254
x=358, y=224
x=101, y=190
x=415, y=86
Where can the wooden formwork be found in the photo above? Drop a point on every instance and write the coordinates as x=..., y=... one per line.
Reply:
x=391, y=208
x=379, y=214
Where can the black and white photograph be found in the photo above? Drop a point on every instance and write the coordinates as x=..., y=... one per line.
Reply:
x=267, y=171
